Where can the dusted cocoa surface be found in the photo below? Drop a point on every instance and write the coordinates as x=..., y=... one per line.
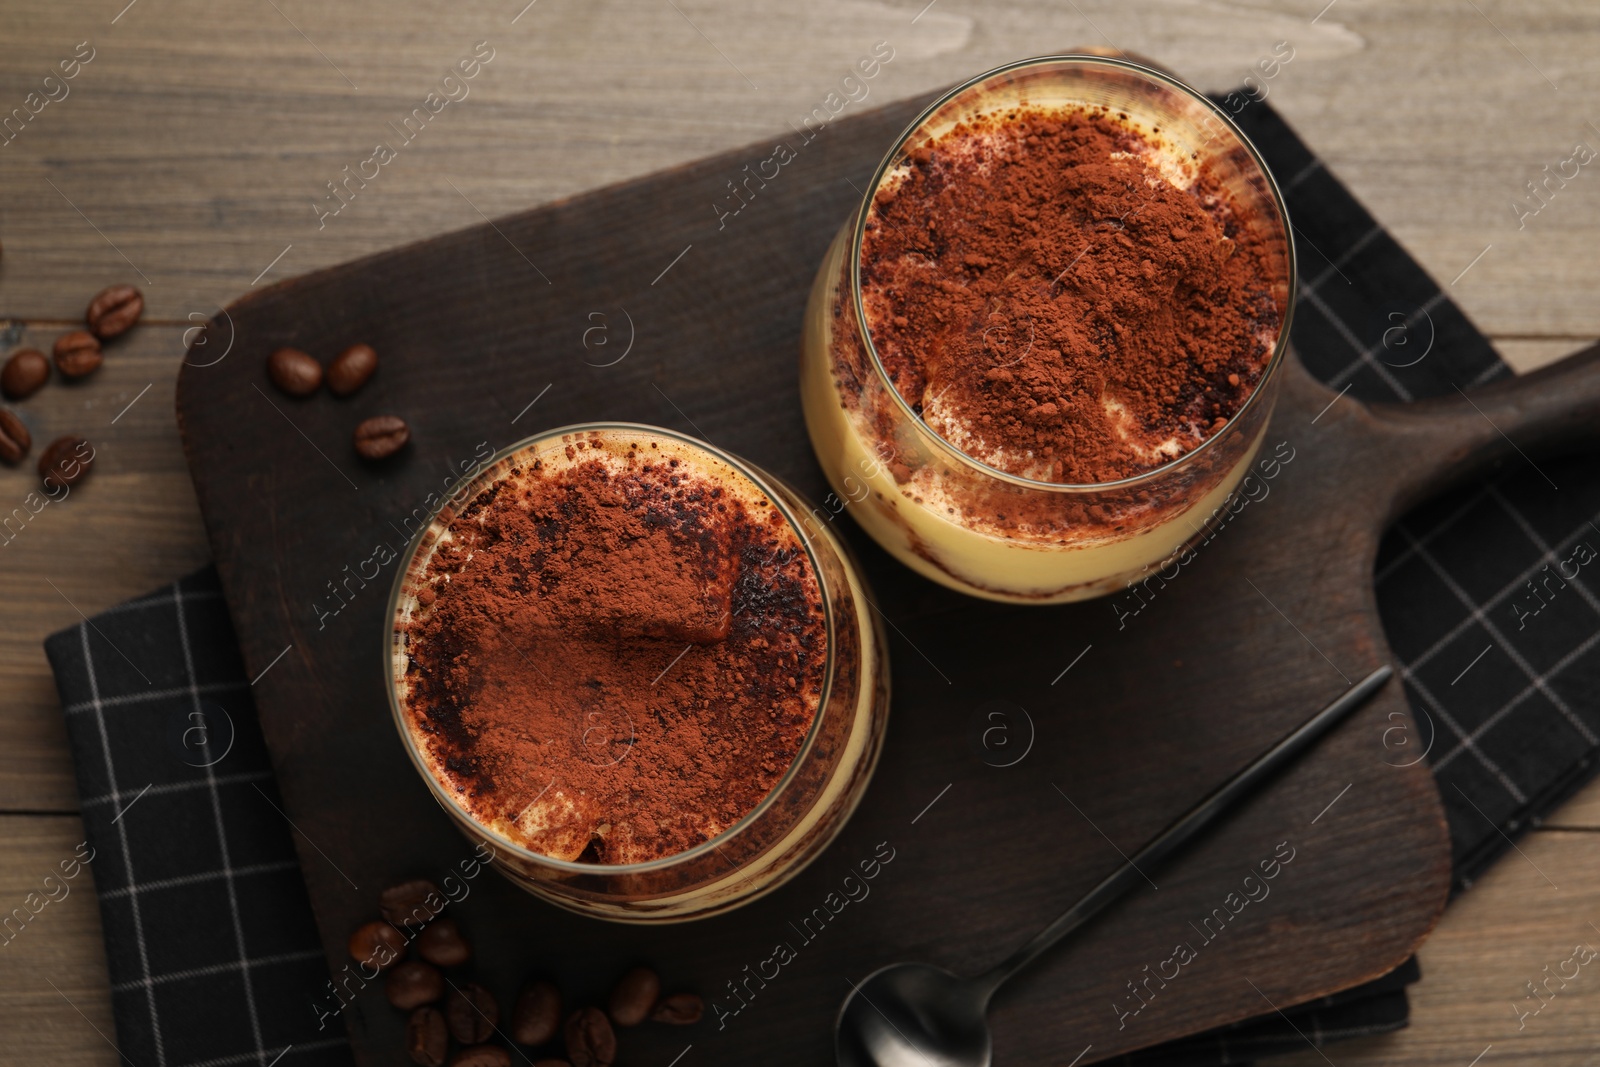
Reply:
x=1052, y=295
x=615, y=658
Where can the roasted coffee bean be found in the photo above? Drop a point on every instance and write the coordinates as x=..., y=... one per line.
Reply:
x=65, y=461
x=294, y=372
x=381, y=436
x=413, y=984
x=114, y=310
x=427, y=1041
x=590, y=1040
x=634, y=996
x=350, y=369
x=15, y=440
x=77, y=353
x=481, y=1056
x=377, y=943
x=411, y=903
x=25, y=374
x=471, y=1013
x=441, y=942
x=537, y=1016
x=551, y=1063
x=680, y=1009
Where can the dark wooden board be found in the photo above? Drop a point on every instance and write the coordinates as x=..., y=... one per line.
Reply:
x=1254, y=635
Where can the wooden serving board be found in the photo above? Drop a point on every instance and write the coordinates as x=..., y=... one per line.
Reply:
x=634, y=303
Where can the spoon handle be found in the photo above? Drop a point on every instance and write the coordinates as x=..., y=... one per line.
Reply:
x=1131, y=874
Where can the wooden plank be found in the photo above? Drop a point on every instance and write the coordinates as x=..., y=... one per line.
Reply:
x=1524, y=354
x=127, y=528
x=1527, y=914
x=199, y=137
x=1582, y=812
x=55, y=999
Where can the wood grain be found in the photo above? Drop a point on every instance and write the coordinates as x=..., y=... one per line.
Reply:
x=1582, y=812
x=1530, y=353
x=240, y=122
x=130, y=526
x=200, y=133
x=1527, y=914
x=55, y=1001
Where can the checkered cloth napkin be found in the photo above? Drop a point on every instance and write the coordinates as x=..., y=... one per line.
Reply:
x=213, y=953
x=212, y=950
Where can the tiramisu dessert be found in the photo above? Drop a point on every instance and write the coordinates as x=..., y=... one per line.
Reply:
x=1044, y=340
x=621, y=658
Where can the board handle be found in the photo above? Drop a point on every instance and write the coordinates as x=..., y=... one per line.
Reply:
x=1419, y=449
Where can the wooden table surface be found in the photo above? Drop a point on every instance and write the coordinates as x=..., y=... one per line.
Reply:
x=190, y=154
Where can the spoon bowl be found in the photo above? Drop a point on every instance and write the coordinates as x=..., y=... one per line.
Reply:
x=914, y=1015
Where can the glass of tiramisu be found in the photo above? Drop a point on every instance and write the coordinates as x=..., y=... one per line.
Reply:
x=1040, y=357
x=637, y=668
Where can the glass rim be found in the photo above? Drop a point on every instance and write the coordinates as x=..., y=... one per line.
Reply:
x=497, y=839
x=1280, y=347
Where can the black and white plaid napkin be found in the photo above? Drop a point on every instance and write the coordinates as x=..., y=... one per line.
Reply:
x=213, y=953
x=212, y=950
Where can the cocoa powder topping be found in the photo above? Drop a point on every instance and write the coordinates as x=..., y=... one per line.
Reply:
x=1061, y=297
x=617, y=650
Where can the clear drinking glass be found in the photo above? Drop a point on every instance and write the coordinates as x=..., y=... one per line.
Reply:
x=793, y=823
x=969, y=525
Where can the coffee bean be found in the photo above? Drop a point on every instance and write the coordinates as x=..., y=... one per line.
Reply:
x=25, y=373
x=377, y=943
x=350, y=369
x=537, y=1016
x=471, y=1013
x=381, y=436
x=413, y=984
x=77, y=353
x=680, y=1009
x=441, y=943
x=294, y=372
x=15, y=440
x=65, y=461
x=590, y=1040
x=427, y=1041
x=551, y=1063
x=411, y=903
x=481, y=1056
x=634, y=996
x=114, y=310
